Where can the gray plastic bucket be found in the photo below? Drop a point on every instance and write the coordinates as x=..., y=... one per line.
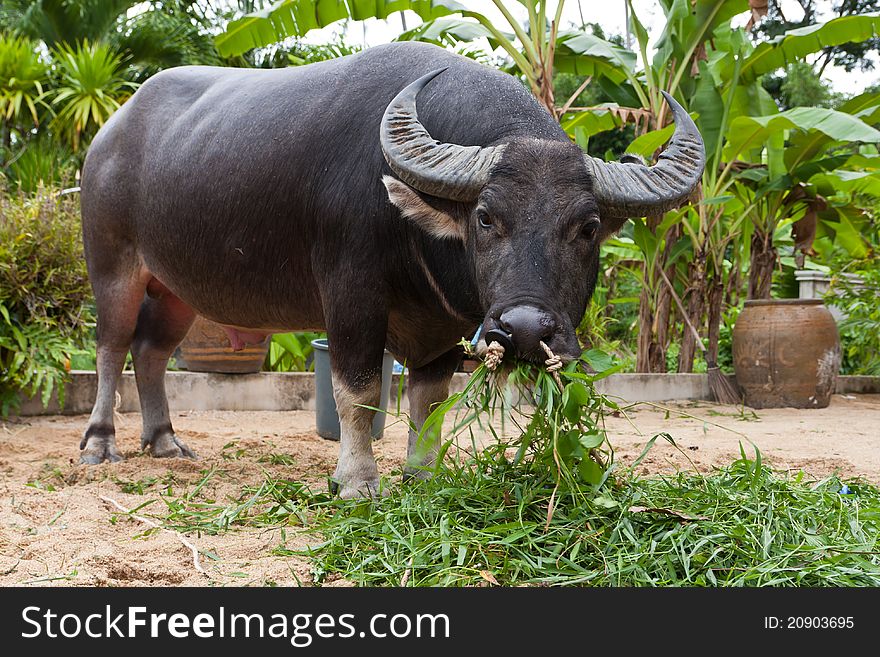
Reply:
x=327, y=419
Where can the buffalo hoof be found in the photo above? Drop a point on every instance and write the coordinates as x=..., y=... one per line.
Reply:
x=369, y=489
x=417, y=474
x=97, y=452
x=98, y=448
x=168, y=446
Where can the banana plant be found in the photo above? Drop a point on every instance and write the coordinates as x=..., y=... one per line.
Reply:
x=678, y=65
x=719, y=84
x=536, y=49
x=791, y=184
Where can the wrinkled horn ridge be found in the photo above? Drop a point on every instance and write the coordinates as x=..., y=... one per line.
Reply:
x=445, y=170
x=634, y=190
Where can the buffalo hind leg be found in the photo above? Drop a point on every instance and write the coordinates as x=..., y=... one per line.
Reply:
x=162, y=323
x=427, y=385
x=117, y=301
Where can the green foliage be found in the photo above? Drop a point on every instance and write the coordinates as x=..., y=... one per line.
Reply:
x=305, y=53
x=800, y=86
x=291, y=352
x=600, y=323
x=34, y=359
x=563, y=439
x=821, y=123
x=151, y=35
x=40, y=163
x=173, y=33
x=859, y=300
x=57, y=22
x=72, y=63
x=45, y=297
x=296, y=17
x=610, y=135
x=487, y=522
x=273, y=503
x=22, y=76
x=92, y=87
x=855, y=54
x=795, y=44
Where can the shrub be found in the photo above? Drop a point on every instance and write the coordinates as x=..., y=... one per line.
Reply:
x=40, y=163
x=859, y=300
x=45, y=297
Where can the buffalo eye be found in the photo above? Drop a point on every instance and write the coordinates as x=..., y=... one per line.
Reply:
x=484, y=219
x=591, y=228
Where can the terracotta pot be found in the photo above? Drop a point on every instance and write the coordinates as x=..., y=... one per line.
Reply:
x=786, y=353
x=206, y=349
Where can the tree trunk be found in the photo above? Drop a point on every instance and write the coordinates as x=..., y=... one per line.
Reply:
x=716, y=297
x=660, y=343
x=643, y=348
x=761, y=265
x=545, y=95
x=696, y=302
x=5, y=142
x=732, y=291
x=653, y=338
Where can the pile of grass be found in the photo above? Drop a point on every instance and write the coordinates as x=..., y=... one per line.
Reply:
x=548, y=507
x=483, y=521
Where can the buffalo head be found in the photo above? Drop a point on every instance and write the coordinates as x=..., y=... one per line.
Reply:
x=531, y=213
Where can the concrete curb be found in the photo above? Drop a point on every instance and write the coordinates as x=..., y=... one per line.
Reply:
x=269, y=391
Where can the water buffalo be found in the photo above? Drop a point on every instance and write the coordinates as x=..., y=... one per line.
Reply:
x=318, y=198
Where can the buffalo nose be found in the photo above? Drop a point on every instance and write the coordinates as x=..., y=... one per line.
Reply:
x=527, y=327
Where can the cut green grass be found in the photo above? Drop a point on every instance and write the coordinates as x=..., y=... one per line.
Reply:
x=484, y=519
x=274, y=503
x=743, y=525
x=548, y=508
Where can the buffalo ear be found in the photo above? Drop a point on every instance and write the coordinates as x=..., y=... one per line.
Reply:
x=610, y=226
x=439, y=222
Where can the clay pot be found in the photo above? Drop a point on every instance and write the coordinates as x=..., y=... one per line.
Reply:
x=786, y=353
x=468, y=365
x=206, y=349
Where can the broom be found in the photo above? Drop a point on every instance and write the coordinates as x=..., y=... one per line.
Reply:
x=722, y=390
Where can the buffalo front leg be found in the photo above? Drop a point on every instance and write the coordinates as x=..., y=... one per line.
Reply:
x=427, y=386
x=356, y=351
x=162, y=323
x=356, y=472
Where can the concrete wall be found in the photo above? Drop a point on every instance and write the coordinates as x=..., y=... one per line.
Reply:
x=296, y=391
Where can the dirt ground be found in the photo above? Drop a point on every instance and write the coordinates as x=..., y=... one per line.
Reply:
x=55, y=528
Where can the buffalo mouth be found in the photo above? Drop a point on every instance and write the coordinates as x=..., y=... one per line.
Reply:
x=526, y=332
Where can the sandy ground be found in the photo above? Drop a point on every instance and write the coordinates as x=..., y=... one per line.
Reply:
x=55, y=528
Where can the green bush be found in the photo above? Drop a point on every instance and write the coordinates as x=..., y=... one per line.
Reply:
x=40, y=163
x=859, y=300
x=45, y=297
